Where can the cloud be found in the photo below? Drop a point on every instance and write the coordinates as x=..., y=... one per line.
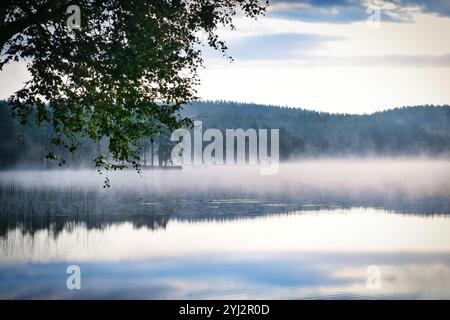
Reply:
x=347, y=11
x=315, y=49
x=416, y=61
x=438, y=7
x=279, y=46
x=343, y=11
x=413, y=61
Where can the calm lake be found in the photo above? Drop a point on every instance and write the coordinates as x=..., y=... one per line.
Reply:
x=317, y=230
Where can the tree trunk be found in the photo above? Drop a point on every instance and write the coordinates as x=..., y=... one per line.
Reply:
x=153, y=153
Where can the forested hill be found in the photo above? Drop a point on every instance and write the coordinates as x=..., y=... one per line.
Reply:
x=408, y=131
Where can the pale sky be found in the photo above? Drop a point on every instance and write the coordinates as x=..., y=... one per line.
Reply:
x=325, y=55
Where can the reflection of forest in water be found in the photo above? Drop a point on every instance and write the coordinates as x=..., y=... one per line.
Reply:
x=56, y=209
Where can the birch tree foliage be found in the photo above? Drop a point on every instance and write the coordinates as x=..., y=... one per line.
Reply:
x=116, y=70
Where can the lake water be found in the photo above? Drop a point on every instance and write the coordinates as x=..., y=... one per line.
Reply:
x=317, y=230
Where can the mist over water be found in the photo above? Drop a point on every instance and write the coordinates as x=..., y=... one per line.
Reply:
x=408, y=175
x=418, y=185
x=309, y=231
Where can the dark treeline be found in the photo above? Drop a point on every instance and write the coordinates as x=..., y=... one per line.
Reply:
x=407, y=131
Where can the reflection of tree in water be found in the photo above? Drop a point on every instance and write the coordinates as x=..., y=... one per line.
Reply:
x=30, y=224
x=29, y=210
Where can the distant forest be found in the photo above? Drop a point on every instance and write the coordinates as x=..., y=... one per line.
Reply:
x=407, y=131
